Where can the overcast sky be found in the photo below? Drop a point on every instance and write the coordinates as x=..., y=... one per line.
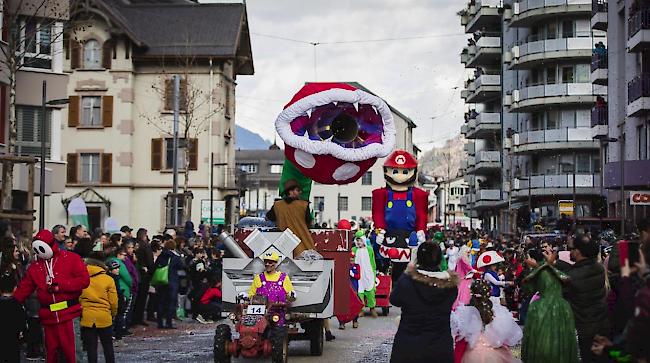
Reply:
x=420, y=77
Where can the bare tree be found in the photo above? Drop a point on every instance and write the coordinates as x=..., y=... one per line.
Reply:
x=195, y=112
x=31, y=28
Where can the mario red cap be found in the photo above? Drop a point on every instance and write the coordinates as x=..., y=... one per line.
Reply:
x=401, y=159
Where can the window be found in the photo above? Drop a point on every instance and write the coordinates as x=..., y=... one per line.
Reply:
x=276, y=168
x=568, y=29
x=169, y=95
x=28, y=122
x=642, y=142
x=567, y=74
x=90, y=168
x=366, y=179
x=92, y=54
x=584, y=161
x=553, y=120
x=319, y=203
x=91, y=111
x=366, y=203
x=551, y=75
x=35, y=43
x=248, y=168
x=343, y=203
x=169, y=153
x=451, y=207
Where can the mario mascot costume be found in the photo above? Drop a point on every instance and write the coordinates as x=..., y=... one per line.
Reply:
x=399, y=208
x=58, y=278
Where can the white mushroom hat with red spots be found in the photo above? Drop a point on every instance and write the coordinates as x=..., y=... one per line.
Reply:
x=488, y=258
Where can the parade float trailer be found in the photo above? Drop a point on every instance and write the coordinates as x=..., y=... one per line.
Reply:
x=321, y=285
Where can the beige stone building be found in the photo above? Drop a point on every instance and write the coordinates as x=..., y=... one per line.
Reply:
x=117, y=133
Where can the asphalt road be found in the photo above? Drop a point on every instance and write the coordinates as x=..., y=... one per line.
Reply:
x=192, y=342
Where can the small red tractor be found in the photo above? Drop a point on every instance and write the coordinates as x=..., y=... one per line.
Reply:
x=259, y=332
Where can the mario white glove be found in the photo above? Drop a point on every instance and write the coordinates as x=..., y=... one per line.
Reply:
x=421, y=236
x=381, y=234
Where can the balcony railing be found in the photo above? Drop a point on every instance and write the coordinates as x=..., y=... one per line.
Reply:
x=553, y=135
x=561, y=89
x=526, y=5
x=638, y=87
x=488, y=156
x=599, y=115
x=488, y=195
x=598, y=60
x=598, y=6
x=638, y=21
x=533, y=45
x=583, y=180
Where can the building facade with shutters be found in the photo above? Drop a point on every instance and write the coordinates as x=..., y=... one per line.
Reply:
x=261, y=170
x=117, y=132
x=331, y=203
x=40, y=45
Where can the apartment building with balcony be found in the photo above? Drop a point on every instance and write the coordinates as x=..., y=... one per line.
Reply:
x=537, y=148
x=626, y=158
x=483, y=120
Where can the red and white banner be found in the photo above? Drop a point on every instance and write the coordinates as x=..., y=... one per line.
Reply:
x=640, y=198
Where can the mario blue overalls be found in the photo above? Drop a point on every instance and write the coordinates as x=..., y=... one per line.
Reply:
x=400, y=214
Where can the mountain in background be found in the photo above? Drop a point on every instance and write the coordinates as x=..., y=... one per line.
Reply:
x=248, y=140
x=434, y=162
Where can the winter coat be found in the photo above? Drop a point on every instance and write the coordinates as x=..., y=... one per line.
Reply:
x=424, y=333
x=125, y=278
x=586, y=293
x=99, y=300
x=72, y=277
x=175, y=263
x=133, y=271
x=145, y=257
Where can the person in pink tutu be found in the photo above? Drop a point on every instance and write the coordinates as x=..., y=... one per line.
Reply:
x=465, y=271
x=483, y=329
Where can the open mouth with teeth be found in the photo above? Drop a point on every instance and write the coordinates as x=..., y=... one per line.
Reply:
x=334, y=133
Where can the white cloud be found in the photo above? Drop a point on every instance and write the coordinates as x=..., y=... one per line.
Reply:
x=420, y=77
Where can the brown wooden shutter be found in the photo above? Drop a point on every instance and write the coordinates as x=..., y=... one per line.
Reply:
x=193, y=150
x=73, y=111
x=106, y=166
x=72, y=174
x=107, y=111
x=75, y=57
x=156, y=154
x=183, y=97
x=107, y=54
x=169, y=94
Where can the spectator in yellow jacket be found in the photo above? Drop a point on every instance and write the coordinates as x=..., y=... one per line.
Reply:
x=99, y=304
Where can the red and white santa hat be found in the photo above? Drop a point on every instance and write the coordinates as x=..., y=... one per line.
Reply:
x=329, y=162
x=488, y=258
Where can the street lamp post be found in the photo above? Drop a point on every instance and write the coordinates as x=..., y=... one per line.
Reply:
x=41, y=183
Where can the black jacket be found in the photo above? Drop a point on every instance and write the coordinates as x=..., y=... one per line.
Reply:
x=145, y=257
x=586, y=292
x=426, y=306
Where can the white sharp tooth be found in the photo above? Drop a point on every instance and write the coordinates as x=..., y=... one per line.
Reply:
x=375, y=108
x=356, y=106
x=308, y=112
x=335, y=103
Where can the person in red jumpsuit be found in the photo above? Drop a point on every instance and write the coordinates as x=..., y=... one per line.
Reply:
x=58, y=277
x=399, y=209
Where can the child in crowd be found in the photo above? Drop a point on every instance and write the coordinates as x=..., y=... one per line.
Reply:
x=100, y=304
x=113, y=268
x=355, y=275
x=13, y=321
x=484, y=330
x=209, y=306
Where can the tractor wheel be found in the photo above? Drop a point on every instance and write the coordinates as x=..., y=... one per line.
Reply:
x=280, y=345
x=222, y=337
x=316, y=337
x=385, y=311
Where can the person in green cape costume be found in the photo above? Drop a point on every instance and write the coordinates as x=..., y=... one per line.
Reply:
x=439, y=237
x=364, y=256
x=549, y=333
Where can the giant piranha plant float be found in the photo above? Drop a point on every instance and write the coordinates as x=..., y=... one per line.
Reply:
x=333, y=133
